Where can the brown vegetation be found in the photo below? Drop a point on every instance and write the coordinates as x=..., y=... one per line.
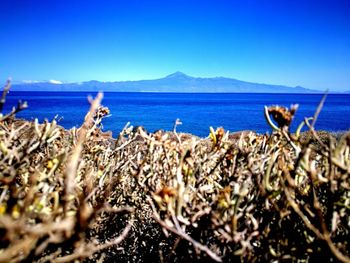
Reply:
x=79, y=194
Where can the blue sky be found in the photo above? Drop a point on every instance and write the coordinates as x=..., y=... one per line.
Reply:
x=299, y=42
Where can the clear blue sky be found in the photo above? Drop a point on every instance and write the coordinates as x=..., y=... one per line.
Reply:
x=293, y=43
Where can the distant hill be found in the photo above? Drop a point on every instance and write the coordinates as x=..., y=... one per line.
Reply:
x=176, y=82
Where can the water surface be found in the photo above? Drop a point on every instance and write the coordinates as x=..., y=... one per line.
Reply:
x=154, y=111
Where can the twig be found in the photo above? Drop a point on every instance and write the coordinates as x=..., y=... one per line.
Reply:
x=319, y=108
x=268, y=119
x=91, y=248
x=73, y=162
x=4, y=93
x=185, y=236
x=20, y=106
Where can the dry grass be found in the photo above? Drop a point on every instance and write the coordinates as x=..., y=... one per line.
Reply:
x=79, y=194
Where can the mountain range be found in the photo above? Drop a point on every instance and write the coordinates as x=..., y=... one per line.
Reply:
x=176, y=82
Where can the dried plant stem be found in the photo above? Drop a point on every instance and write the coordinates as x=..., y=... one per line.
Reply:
x=4, y=93
x=91, y=248
x=178, y=231
x=74, y=158
x=319, y=108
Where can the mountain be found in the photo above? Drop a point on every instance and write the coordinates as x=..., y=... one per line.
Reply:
x=176, y=82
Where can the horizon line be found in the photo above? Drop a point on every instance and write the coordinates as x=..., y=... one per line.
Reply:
x=60, y=82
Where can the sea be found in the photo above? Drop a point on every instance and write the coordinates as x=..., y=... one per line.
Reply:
x=197, y=112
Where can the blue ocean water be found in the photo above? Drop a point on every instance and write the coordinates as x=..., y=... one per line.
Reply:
x=197, y=112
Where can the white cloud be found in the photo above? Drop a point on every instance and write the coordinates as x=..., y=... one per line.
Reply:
x=30, y=81
x=52, y=81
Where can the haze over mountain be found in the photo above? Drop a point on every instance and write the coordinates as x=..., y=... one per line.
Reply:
x=176, y=82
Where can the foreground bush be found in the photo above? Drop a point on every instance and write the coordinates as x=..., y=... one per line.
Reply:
x=80, y=194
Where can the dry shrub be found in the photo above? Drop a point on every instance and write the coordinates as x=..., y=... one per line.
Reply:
x=50, y=181
x=173, y=197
